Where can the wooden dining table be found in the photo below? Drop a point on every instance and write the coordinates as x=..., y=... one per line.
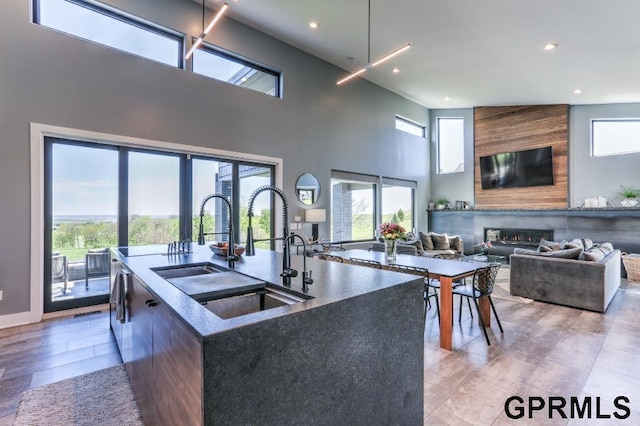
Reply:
x=447, y=271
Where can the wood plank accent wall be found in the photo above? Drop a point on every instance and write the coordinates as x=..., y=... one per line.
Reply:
x=517, y=128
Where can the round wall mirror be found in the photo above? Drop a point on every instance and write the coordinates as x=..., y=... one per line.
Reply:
x=307, y=189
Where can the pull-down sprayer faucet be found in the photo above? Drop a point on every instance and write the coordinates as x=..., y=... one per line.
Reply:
x=286, y=252
x=231, y=254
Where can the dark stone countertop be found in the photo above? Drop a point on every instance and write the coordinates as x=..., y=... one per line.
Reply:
x=333, y=282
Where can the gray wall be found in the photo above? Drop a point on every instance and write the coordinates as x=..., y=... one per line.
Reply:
x=453, y=186
x=588, y=176
x=52, y=78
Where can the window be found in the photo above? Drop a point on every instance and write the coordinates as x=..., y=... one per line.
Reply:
x=209, y=177
x=153, y=214
x=353, y=202
x=613, y=137
x=398, y=202
x=99, y=195
x=107, y=27
x=252, y=177
x=450, y=145
x=410, y=127
x=224, y=66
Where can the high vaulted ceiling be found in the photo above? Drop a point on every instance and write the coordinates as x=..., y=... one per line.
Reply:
x=477, y=53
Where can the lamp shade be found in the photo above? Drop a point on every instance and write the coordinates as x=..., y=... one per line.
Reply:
x=315, y=215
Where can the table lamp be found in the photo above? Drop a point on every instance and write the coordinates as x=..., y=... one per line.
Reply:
x=315, y=216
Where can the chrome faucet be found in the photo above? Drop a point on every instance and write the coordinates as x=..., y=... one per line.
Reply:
x=286, y=252
x=306, y=276
x=231, y=254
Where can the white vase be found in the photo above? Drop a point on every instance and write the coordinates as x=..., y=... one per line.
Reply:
x=390, y=249
x=629, y=202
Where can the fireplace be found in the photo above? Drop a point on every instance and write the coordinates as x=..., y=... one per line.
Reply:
x=517, y=237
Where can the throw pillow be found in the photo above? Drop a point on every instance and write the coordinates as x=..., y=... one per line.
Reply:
x=570, y=253
x=455, y=242
x=546, y=246
x=417, y=244
x=577, y=243
x=440, y=241
x=519, y=250
x=597, y=252
x=587, y=243
x=427, y=243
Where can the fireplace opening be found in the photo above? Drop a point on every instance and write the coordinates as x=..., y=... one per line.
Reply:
x=517, y=236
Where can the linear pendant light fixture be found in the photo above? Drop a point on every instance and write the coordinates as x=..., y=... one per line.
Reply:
x=379, y=61
x=204, y=33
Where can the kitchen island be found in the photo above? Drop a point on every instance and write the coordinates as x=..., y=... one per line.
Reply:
x=349, y=351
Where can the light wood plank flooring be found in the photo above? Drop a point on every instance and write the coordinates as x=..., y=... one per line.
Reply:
x=546, y=350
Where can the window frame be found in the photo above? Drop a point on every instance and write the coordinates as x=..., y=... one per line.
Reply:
x=124, y=17
x=414, y=124
x=401, y=183
x=438, y=145
x=610, y=120
x=241, y=60
x=364, y=179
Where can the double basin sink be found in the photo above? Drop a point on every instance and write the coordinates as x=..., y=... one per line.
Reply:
x=226, y=293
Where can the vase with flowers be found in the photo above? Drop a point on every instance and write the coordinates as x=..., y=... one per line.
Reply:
x=391, y=233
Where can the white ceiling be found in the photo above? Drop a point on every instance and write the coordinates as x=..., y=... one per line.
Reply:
x=476, y=52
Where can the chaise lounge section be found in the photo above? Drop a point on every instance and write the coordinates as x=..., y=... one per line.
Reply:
x=578, y=283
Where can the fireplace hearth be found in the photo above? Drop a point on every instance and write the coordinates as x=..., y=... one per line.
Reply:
x=517, y=237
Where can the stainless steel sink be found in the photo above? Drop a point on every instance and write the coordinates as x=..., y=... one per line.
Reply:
x=186, y=270
x=248, y=303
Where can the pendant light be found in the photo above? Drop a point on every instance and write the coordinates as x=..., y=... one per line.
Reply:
x=206, y=30
x=379, y=61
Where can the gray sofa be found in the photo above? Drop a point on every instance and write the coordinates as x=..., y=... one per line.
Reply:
x=427, y=245
x=577, y=283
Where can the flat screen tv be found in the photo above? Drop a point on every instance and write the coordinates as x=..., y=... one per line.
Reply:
x=533, y=167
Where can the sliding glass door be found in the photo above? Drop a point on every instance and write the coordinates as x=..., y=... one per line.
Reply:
x=99, y=196
x=82, y=220
x=153, y=198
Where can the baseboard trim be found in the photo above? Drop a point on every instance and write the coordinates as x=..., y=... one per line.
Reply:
x=14, y=320
x=76, y=311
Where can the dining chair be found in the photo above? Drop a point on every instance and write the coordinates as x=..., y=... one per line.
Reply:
x=365, y=262
x=435, y=284
x=423, y=272
x=483, y=281
x=331, y=257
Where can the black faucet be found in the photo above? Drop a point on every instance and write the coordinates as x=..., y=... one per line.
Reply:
x=231, y=250
x=286, y=252
x=290, y=272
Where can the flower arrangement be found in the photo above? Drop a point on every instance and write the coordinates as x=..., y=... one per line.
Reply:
x=392, y=231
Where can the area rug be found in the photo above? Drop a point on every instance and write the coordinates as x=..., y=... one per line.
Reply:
x=501, y=290
x=101, y=398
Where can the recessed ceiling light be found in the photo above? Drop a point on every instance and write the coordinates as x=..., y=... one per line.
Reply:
x=243, y=79
x=577, y=91
x=395, y=70
x=313, y=25
x=550, y=46
x=446, y=98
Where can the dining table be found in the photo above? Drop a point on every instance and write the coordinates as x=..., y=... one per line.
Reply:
x=445, y=270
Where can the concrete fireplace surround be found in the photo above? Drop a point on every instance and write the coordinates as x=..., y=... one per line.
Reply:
x=620, y=227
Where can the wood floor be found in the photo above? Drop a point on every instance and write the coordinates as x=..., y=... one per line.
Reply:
x=546, y=350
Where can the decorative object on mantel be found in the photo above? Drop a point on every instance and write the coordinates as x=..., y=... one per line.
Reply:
x=391, y=233
x=629, y=196
x=442, y=203
x=596, y=202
